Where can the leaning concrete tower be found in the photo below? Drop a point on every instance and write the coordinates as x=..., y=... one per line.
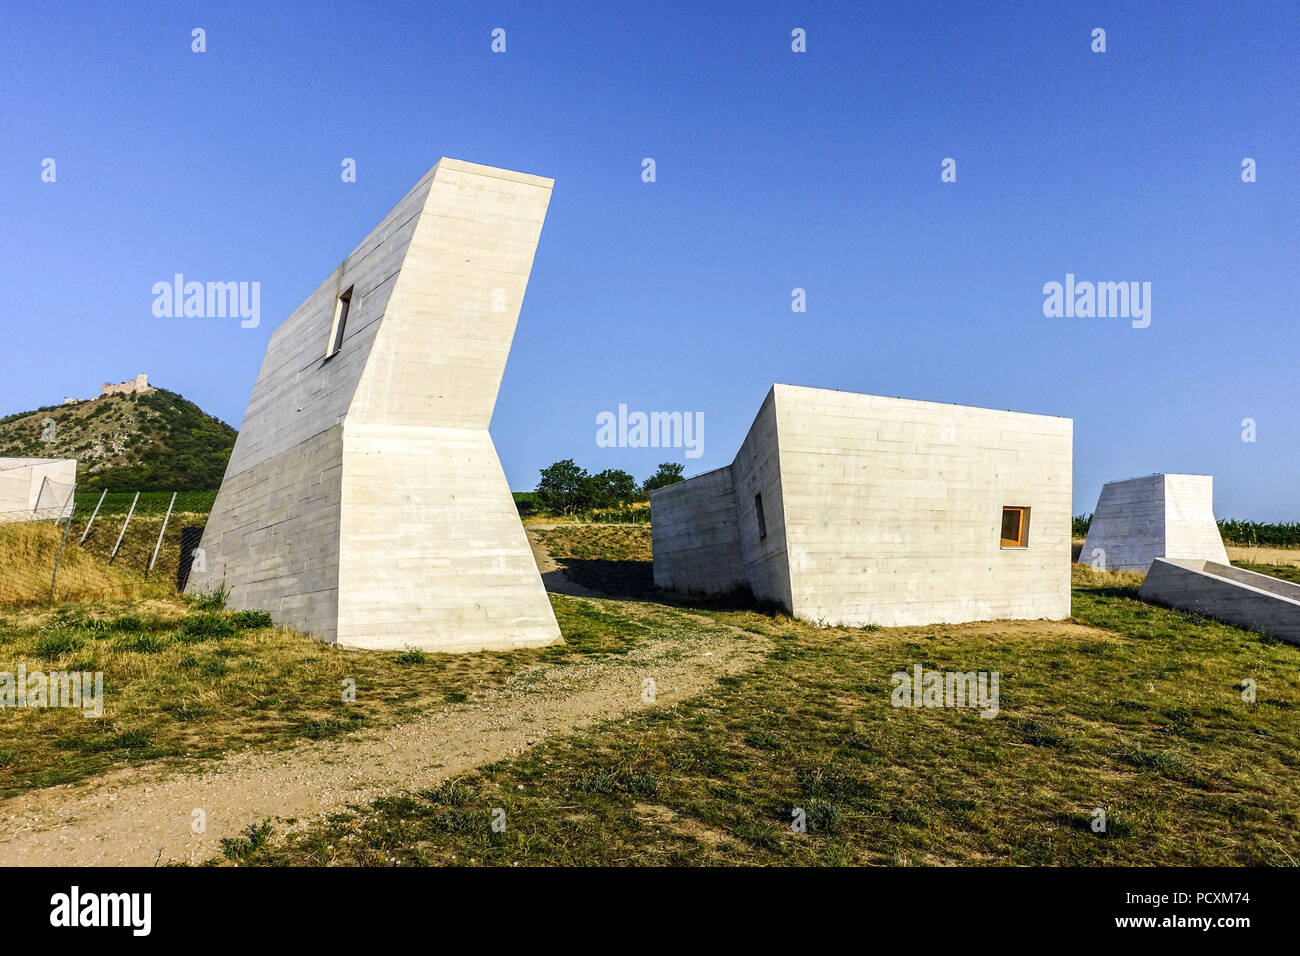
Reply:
x=364, y=502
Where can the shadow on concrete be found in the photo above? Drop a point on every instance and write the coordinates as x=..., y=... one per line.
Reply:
x=634, y=581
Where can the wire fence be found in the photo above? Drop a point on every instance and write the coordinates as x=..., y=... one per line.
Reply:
x=98, y=545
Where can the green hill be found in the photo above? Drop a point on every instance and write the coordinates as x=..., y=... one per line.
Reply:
x=157, y=441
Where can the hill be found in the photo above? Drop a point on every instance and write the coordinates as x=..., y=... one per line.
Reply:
x=157, y=441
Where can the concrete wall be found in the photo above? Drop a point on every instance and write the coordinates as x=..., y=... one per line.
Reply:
x=758, y=470
x=1190, y=528
x=880, y=511
x=694, y=535
x=1128, y=525
x=364, y=501
x=894, y=508
x=1140, y=519
x=705, y=530
x=1233, y=595
x=33, y=489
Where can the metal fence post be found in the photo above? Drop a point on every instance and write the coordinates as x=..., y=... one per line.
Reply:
x=157, y=547
x=62, y=541
x=36, y=508
x=122, y=534
x=92, y=516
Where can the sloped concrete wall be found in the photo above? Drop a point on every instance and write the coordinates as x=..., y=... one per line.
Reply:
x=273, y=535
x=434, y=555
x=1156, y=516
x=1190, y=528
x=757, y=470
x=894, y=507
x=1233, y=595
x=694, y=536
x=1128, y=525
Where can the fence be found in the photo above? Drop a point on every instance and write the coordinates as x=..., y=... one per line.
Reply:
x=98, y=544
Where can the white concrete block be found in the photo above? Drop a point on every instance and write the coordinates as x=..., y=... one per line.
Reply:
x=1157, y=516
x=880, y=511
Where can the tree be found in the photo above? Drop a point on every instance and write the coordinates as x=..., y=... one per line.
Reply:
x=669, y=473
x=611, y=487
x=564, y=487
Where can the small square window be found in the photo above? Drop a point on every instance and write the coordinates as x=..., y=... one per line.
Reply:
x=762, y=522
x=340, y=323
x=1015, y=527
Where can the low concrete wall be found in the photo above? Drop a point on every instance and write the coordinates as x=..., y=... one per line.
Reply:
x=694, y=535
x=1232, y=595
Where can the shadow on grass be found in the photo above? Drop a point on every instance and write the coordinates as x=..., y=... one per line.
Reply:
x=634, y=581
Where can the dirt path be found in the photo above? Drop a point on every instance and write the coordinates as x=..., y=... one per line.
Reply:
x=553, y=576
x=143, y=816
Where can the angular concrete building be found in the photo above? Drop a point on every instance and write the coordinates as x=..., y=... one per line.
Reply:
x=857, y=509
x=1158, y=516
x=364, y=502
x=34, y=489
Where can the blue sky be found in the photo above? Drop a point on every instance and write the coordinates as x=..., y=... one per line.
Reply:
x=775, y=171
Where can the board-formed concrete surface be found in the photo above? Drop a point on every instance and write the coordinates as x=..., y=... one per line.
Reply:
x=877, y=511
x=364, y=502
x=1157, y=516
x=1233, y=595
x=34, y=489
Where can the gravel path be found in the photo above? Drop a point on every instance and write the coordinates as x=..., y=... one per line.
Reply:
x=145, y=816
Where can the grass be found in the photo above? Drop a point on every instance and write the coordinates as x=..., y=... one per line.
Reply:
x=27, y=554
x=1287, y=572
x=607, y=558
x=1131, y=709
x=188, y=680
x=1128, y=708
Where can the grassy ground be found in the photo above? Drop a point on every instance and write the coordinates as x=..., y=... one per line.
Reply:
x=184, y=682
x=27, y=556
x=1130, y=709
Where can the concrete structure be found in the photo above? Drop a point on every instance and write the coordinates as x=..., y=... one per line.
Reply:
x=32, y=489
x=364, y=502
x=139, y=386
x=1233, y=595
x=856, y=509
x=1159, y=516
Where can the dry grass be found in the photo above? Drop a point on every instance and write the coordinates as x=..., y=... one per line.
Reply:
x=27, y=553
x=1131, y=709
x=1084, y=575
x=1255, y=555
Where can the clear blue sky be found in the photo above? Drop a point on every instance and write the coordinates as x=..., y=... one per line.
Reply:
x=775, y=170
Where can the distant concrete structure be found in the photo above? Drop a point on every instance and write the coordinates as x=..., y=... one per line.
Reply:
x=364, y=502
x=34, y=489
x=1157, y=516
x=856, y=509
x=138, y=386
x=1233, y=595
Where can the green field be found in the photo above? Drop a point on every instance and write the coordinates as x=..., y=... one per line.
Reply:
x=1130, y=709
x=1127, y=709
